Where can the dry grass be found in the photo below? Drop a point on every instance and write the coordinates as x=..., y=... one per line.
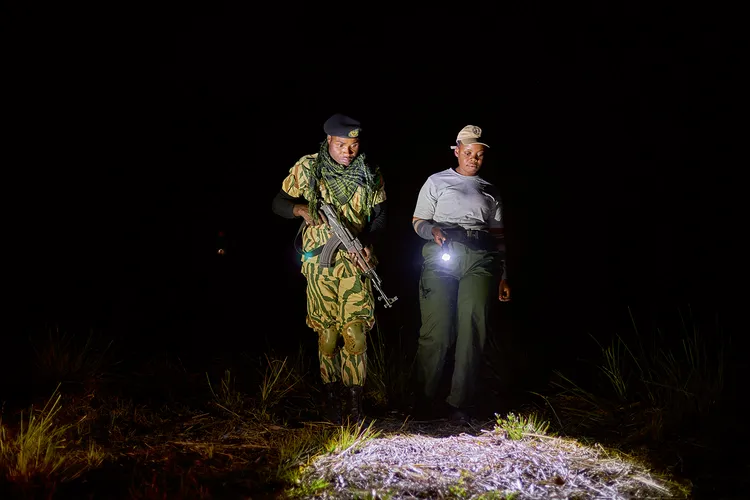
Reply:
x=162, y=430
x=411, y=462
x=41, y=446
x=211, y=452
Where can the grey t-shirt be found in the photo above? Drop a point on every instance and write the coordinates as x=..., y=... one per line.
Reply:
x=449, y=199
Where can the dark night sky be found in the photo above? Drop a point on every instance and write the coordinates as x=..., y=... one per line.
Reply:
x=135, y=137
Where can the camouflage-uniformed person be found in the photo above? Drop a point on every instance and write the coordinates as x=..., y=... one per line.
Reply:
x=340, y=302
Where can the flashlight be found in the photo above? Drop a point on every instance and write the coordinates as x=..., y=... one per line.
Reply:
x=446, y=251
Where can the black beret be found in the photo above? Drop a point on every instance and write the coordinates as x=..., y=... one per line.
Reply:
x=342, y=126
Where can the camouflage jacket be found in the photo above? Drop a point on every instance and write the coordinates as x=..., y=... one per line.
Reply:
x=297, y=184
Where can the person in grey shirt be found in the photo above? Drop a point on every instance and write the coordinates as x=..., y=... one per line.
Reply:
x=460, y=215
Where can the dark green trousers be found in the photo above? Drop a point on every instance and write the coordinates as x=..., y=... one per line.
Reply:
x=455, y=297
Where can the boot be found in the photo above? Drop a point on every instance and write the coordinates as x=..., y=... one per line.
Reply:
x=332, y=408
x=355, y=413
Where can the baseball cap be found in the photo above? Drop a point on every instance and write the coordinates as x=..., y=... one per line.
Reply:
x=470, y=134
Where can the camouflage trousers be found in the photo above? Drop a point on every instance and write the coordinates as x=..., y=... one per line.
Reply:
x=341, y=311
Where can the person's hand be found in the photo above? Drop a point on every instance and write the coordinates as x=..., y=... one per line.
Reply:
x=438, y=236
x=365, y=254
x=504, y=291
x=303, y=211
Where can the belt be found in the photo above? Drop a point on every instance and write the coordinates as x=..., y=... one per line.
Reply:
x=461, y=234
x=473, y=238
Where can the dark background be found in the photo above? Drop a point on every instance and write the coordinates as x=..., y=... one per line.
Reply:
x=132, y=138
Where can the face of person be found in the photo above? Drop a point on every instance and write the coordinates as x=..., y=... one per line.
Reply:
x=470, y=158
x=343, y=149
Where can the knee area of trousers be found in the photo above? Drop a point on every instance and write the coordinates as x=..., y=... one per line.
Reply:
x=355, y=337
x=327, y=341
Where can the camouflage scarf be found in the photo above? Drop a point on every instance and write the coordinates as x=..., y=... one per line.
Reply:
x=341, y=181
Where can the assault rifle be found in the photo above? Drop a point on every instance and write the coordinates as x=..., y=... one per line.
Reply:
x=342, y=235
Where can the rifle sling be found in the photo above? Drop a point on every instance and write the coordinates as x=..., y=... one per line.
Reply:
x=314, y=251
